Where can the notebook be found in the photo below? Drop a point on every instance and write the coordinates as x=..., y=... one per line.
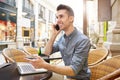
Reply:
x=27, y=68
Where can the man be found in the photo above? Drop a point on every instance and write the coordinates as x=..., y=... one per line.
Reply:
x=73, y=45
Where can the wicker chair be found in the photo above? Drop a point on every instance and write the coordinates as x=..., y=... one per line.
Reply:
x=97, y=55
x=30, y=50
x=106, y=70
x=14, y=55
x=115, y=75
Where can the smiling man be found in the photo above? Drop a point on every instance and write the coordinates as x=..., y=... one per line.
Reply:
x=73, y=46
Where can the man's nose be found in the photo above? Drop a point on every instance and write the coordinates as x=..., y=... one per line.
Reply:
x=58, y=20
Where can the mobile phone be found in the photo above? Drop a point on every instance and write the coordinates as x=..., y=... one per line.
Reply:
x=31, y=57
x=57, y=27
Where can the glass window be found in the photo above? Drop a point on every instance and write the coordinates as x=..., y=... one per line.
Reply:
x=41, y=11
x=51, y=17
x=7, y=26
x=27, y=6
x=10, y=2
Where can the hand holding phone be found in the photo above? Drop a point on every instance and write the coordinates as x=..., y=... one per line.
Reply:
x=57, y=27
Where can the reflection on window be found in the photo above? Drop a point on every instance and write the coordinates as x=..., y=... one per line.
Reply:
x=27, y=6
x=10, y=2
x=41, y=11
x=50, y=16
x=7, y=26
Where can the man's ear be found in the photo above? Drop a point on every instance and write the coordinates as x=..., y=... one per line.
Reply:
x=71, y=18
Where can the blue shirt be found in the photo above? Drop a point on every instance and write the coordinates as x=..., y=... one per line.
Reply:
x=74, y=50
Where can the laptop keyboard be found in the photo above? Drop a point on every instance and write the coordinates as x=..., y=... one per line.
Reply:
x=27, y=68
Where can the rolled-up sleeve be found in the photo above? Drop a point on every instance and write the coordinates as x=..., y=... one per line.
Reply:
x=80, y=56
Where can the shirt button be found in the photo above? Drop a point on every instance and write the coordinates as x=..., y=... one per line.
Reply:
x=64, y=55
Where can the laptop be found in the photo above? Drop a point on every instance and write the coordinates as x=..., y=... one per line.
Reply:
x=27, y=68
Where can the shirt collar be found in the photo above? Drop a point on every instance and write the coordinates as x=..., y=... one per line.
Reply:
x=72, y=34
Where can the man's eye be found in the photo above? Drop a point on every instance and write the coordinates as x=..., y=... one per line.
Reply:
x=61, y=16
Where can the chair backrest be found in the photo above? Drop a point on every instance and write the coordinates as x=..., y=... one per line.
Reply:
x=115, y=75
x=30, y=50
x=97, y=55
x=14, y=55
x=105, y=67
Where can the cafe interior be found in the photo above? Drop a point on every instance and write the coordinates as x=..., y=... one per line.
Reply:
x=24, y=35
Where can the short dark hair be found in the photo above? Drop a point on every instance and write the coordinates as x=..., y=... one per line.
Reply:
x=69, y=9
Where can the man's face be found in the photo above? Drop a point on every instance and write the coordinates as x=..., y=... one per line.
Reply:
x=63, y=19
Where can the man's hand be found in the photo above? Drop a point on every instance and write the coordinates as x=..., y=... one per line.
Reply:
x=38, y=62
x=54, y=31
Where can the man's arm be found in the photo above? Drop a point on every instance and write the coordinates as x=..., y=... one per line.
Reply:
x=49, y=46
x=63, y=70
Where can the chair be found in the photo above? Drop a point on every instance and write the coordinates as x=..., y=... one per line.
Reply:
x=14, y=55
x=33, y=52
x=30, y=50
x=115, y=75
x=105, y=68
x=97, y=55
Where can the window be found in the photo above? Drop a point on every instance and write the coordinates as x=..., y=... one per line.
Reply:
x=27, y=6
x=10, y=2
x=51, y=16
x=41, y=12
x=26, y=32
x=7, y=26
